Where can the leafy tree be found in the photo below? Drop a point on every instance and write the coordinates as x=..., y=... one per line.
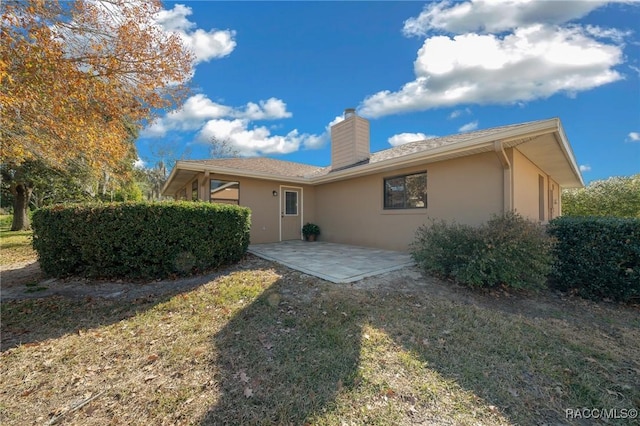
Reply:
x=76, y=78
x=617, y=196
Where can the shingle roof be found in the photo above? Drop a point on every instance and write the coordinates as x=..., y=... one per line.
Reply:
x=429, y=144
x=264, y=165
x=290, y=169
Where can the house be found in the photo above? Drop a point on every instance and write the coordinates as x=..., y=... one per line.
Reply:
x=379, y=199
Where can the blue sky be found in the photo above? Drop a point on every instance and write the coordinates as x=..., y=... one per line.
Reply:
x=270, y=77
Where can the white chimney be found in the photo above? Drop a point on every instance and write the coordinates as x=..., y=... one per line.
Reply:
x=349, y=140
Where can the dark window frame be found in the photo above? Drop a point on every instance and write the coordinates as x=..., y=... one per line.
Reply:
x=387, y=201
x=194, y=190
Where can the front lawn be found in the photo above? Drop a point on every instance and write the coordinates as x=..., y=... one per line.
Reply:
x=15, y=246
x=263, y=344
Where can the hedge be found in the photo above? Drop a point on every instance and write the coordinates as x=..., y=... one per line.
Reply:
x=597, y=257
x=139, y=240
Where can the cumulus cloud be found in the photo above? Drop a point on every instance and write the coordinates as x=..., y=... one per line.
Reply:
x=633, y=137
x=528, y=57
x=493, y=16
x=209, y=119
x=402, y=138
x=469, y=126
x=206, y=45
x=258, y=140
x=585, y=168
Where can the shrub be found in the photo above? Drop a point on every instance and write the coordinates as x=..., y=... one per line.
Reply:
x=597, y=257
x=508, y=250
x=139, y=240
x=617, y=196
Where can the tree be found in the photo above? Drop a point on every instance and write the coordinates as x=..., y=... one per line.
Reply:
x=617, y=196
x=76, y=77
x=222, y=148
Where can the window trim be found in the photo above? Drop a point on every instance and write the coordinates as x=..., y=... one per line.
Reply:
x=386, y=208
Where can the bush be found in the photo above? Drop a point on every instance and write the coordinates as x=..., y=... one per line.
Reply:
x=508, y=250
x=597, y=257
x=616, y=196
x=139, y=240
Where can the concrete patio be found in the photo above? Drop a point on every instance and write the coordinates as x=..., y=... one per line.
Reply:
x=338, y=263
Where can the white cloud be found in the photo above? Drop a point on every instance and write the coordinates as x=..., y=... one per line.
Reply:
x=530, y=55
x=633, y=137
x=469, y=127
x=402, y=138
x=198, y=109
x=492, y=16
x=270, y=109
x=139, y=163
x=206, y=45
x=210, y=119
x=251, y=141
x=585, y=168
x=459, y=112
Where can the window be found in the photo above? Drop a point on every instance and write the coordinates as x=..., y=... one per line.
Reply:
x=406, y=192
x=194, y=190
x=290, y=203
x=224, y=191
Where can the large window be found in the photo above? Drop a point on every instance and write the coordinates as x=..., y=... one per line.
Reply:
x=406, y=192
x=224, y=191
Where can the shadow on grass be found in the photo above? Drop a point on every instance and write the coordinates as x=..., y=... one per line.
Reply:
x=47, y=311
x=285, y=356
x=296, y=356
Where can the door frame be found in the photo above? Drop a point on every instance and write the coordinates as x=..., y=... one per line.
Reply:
x=281, y=190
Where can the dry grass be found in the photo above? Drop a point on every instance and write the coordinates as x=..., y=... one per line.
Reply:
x=263, y=344
x=15, y=246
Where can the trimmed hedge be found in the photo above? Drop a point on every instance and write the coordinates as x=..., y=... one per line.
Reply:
x=597, y=257
x=508, y=250
x=139, y=240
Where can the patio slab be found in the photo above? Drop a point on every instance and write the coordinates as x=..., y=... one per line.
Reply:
x=338, y=263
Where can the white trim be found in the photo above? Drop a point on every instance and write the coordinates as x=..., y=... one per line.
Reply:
x=281, y=213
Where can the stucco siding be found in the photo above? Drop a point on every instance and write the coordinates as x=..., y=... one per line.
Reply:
x=265, y=208
x=528, y=200
x=467, y=190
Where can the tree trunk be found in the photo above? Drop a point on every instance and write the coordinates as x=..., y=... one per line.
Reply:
x=21, y=196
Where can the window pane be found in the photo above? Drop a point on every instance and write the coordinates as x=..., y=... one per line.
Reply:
x=416, y=191
x=406, y=192
x=223, y=191
x=194, y=191
x=291, y=203
x=394, y=193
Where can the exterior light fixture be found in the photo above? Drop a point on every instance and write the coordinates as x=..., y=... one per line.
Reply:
x=275, y=193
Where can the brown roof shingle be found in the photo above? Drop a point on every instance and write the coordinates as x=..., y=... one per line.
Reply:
x=290, y=169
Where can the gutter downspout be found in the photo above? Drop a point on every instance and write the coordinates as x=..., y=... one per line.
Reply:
x=507, y=188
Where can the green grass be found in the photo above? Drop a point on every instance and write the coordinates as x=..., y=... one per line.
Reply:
x=266, y=345
x=15, y=246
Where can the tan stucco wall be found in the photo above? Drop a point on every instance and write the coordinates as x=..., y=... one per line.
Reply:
x=525, y=187
x=467, y=190
x=265, y=208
